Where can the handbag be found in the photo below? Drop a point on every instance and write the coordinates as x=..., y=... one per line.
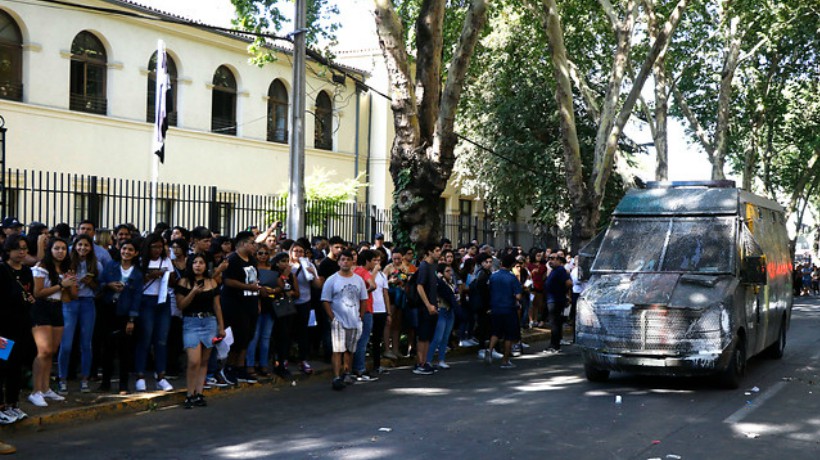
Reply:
x=284, y=307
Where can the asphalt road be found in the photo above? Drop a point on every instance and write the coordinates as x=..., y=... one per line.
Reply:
x=542, y=409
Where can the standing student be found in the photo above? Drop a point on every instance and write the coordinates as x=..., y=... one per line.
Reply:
x=80, y=312
x=155, y=312
x=366, y=268
x=427, y=288
x=240, y=303
x=54, y=283
x=344, y=296
x=198, y=299
x=16, y=298
x=447, y=305
x=122, y=294
x=307, y=278
x=556, y=288
x=505, y=295
x=256, y=365
x=287, y=289
x=381, y=311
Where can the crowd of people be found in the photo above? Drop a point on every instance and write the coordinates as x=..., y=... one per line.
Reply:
x=136, y=303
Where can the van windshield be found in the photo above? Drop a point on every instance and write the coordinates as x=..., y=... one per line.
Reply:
x=702, y=245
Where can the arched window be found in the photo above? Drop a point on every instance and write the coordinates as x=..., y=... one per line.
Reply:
x=171, y=100
x=277, y=112
x=88, y=74
x=11, y=59
x=223, y=102
x=323, y=129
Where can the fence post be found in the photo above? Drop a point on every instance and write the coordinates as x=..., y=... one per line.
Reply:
x=213, y=210
x=93, y=201
x=3, y=177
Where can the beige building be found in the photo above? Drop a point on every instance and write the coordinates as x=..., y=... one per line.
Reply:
x=77, y=91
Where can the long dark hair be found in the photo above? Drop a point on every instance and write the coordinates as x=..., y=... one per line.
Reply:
x=189, y=268
x=146, y=250
x=50, y=264
x=90, y=259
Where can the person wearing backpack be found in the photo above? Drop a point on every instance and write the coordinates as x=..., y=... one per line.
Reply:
x=480, y=298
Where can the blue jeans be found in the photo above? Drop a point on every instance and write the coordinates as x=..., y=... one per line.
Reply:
x=153, y=324
x=264, y=329
x=444, y=327
x=82, y=312
x=361, y=346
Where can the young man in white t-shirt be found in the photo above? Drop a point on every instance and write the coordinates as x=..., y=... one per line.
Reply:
x=344, y=297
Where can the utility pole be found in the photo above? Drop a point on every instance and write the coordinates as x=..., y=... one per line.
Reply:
x=296, y=191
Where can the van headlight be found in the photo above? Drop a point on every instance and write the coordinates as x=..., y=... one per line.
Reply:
x=585, y=315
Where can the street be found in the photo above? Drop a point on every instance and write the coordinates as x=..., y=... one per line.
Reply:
x=544, y=408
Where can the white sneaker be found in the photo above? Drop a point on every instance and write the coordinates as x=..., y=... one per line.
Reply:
x=19, y=413
x=497, y=355
x=37, y=399
x=164, y=385
x=140, y=385
x=466, y=344
x=442, y=365
x=473, y=342
x=524, y=345
x=50, y=394
x=7, y=417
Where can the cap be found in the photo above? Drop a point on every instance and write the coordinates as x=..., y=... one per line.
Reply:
x=379, y=236
x=11, y=222
x=36, y=224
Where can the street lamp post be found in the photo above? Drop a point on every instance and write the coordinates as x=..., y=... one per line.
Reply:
x=296, y=191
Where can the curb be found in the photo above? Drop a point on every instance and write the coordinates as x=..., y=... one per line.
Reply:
x=144, y=402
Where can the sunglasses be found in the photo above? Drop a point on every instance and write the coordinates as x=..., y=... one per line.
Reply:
x=262, y=253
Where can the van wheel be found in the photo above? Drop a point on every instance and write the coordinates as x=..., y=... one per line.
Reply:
x=594, y=374
x=730, y=377
x=775, y=350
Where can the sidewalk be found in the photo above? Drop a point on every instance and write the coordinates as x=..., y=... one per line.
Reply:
x=80, y=407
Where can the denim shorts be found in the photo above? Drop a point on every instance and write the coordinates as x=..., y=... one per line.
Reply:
x=198, y=330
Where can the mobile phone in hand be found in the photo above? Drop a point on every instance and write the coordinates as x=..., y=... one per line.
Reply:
x=200, y=283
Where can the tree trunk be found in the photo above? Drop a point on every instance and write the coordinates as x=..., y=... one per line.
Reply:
x=422, y=155
x=730, y=63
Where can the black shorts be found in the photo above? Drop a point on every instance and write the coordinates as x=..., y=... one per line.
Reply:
x=506, y=326
x=47, y=313
x=426, y=326
x=241, y=318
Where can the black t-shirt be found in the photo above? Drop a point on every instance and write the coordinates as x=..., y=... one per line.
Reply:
x=328, y=267
x=426, y=277
x=15, y=286
x=244, y=272
x=556, y=285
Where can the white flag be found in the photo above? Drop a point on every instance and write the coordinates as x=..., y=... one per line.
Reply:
x=160, y=97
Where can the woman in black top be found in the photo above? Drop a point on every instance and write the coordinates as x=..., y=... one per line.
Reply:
x=202, y=325
x=16, y=298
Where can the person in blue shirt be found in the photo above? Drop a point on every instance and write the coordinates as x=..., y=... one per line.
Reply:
x=505, y=294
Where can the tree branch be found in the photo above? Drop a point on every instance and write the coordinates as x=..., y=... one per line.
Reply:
x=586, y=92
x=700, y=132
x=444, y=139
x=609, y=10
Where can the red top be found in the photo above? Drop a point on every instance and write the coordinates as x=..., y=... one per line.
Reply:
x=366, y=275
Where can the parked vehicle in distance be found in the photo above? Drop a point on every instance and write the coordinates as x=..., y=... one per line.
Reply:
x=690, y=278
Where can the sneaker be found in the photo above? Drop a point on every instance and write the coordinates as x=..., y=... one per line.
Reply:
x=382, y=371
x=304, y=366
x=7, y=449
x=497, y=355
x=390, y=355
x=226, y=377
x=199, y=400
x=209, y=383
x=19, y=413
x=189, y=402
x=163, y=385
x=50, y=394
x=566, y=342
x=242, y=376
x=62, y=387
x=524, y=345
x=7, y=417
x=283, y=373
x=466, y=344
x=516, y=350
x=473, y=342
x=425, y=369
x=140, y=385
x=364, y=378
x=263, y=372
x=442, y=365
x=507, y=365
x=348, y=379
x=37, y=399
x=552, y=351
x=84, y=388
x=220, y=380
x=338, y=384
x=488, y=357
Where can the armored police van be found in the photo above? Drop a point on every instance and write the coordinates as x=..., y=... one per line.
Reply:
x=690, y=278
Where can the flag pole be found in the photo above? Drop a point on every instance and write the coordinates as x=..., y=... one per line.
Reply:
x=160, y=126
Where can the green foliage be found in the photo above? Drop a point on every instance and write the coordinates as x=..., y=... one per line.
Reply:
x=321, y=192
x=265, y=16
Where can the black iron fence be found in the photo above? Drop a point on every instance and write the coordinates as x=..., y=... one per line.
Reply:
x=54, y=197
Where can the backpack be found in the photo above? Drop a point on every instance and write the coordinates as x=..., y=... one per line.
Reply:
x=411, y=290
